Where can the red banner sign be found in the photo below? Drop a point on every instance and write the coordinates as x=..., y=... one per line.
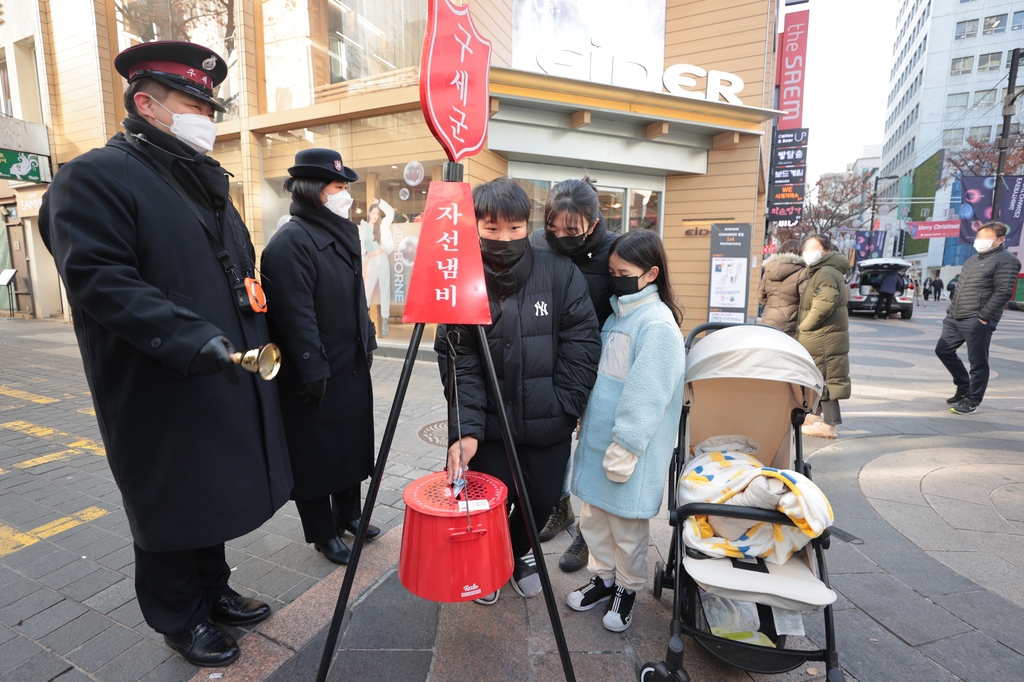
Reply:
x=793, y=69
x=448, y=276
x=455, y=91
x=936, y=229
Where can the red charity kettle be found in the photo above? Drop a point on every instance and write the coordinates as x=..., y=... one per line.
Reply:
x=445, y=556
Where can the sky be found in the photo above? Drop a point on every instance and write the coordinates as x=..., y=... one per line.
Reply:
x=849, y=56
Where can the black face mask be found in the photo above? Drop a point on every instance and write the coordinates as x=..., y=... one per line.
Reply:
x=567, y=246
x=624, y=286
x=501, y=255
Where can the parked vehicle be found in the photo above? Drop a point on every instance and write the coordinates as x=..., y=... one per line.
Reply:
x=865, y=279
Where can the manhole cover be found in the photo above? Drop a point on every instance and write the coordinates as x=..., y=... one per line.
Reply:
x=435, y=434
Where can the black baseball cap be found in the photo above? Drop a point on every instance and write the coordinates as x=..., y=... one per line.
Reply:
x=190, y=68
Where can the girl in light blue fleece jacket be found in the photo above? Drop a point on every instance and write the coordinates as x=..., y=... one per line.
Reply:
x=629, y=427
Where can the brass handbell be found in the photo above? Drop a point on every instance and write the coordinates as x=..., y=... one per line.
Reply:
x=265, y=361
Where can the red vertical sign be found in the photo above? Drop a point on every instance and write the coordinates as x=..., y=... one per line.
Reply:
x=793, y=69
x=455, y=91
x=448, y=281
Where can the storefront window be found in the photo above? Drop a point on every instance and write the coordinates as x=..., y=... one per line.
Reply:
x=396, y=157
x=229, y=154
x=644, y=208
x=207, y=22
x=322, y=50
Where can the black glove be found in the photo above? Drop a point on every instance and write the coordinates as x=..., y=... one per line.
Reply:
x=369, y=360
x=314, y=392
x=213, y=357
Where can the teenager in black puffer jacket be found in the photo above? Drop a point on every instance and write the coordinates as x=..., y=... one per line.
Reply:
x=545, y=344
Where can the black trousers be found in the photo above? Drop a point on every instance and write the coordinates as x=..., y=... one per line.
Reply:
x=543, y=471
x=978, y=337
x=886, y=300
x=927, y=292
x=317, y=516
x=177, y=589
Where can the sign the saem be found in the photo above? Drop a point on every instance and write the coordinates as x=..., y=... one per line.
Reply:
x=792, y=69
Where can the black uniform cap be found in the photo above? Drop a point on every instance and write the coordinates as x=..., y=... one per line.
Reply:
x=324, y=164
x=190, y=68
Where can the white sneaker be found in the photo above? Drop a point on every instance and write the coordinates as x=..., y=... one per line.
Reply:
x=526, y=577
x=620, y=610
x=490, y=599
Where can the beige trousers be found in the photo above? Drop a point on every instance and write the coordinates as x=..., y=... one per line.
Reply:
x=618, y=546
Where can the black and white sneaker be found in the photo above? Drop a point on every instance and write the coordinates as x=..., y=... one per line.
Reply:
x=590, y=595
x=526, y=577
x=620, y=610
x=965, y=406
x=490, y=599
x=957, y=397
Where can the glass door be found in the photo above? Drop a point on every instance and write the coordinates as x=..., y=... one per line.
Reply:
x=612, y=200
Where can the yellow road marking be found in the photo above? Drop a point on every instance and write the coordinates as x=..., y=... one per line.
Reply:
x=54, y=436
x=12, y=539
x=11, y=407
x=87, y=410
x=29, y=463
x=25, y=395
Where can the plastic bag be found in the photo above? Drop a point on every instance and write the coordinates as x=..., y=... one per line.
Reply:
x=736, y=620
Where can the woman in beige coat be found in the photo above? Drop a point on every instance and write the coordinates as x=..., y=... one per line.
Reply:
x=781, y=286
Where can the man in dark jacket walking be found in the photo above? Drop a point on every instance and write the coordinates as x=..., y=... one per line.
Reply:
x=154, y=255
x=986, y=284
x=545, y=345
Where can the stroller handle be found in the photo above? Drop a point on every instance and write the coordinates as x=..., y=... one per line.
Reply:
x=730, y=511
x=708, y=327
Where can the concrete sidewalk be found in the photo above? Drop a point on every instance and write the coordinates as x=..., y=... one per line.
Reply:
x=931, y=581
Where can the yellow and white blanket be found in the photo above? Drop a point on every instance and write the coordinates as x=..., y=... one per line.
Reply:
x=719, y=475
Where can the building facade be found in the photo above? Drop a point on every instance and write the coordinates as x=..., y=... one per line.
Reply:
x=667, y=107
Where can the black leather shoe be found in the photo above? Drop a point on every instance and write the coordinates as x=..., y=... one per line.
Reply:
x=335, y=550
x=205, y=645
x=232, y=608
x=351, y=527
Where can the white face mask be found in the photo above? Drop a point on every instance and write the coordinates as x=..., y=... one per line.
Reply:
x=983, y=245
x=195, y=130
x=812, y=257
x=339, y=203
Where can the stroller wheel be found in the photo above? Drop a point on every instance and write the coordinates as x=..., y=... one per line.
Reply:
x=657, y=671
x=659, y=578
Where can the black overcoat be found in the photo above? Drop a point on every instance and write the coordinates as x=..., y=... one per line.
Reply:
x=312, y=269
x=198, y=460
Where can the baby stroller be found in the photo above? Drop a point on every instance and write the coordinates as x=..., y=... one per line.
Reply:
x=757, y=382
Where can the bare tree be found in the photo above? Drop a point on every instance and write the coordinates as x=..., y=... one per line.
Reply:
x=835, y=201
x=980, y=158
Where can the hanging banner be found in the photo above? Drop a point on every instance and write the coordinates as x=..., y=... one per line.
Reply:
x=729, y=280
x=455, y=92
x=976, y=208
x=938, y=229
x=869, y=244
x=447, y=283
x=793, y=69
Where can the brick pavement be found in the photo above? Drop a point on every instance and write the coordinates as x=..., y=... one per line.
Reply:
x=67, y=597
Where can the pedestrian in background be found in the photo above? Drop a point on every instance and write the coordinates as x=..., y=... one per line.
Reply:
x=153, y=255
x=545, y=344
x=891, y=283
x=629, y=428
x=574, y=227
x=937, y=286
x=824, y=330
x=927, y=288
x=313, y=269
x=986, y=284
x=779, y=292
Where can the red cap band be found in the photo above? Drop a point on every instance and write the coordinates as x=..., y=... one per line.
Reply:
x=190, y=73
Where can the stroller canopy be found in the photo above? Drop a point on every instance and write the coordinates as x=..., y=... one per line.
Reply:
x=754, y=352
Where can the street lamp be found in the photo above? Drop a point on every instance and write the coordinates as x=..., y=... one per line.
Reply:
x=874, y=198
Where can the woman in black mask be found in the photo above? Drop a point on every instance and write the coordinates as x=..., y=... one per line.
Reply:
x=574, y=227
x=545, y=344
x=312, y=271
